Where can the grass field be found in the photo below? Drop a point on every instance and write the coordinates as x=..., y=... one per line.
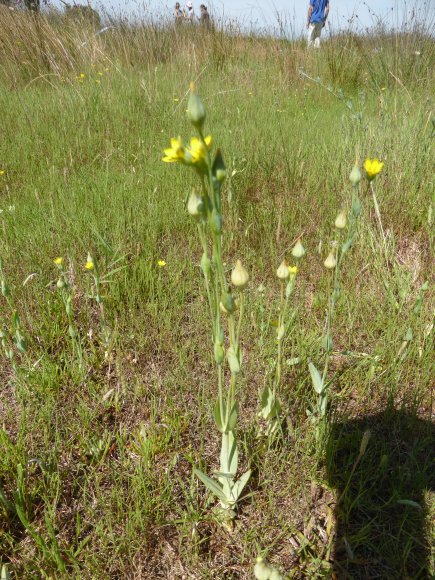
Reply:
x=102, y=425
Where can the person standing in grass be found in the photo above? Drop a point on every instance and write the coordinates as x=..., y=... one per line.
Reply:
x=189, y=14
x=317, y=14
x=178, y=13
x=204, y=18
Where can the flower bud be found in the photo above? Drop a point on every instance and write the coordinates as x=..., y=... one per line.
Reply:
x=356, y=206
x=219, y=169
x=239, y=276
x=195, y=204
x=298, y=250
x=261, y=570
x=355, y=175
x=216, y=222
x=221, y=175
x=330, y=261
x=364, y=442
x=89, y=263
x=219, y=353
x=227, y=303
x=220, y=335
x=283, y=271
x=195, y=108
x=341, y=220
x=205, y=264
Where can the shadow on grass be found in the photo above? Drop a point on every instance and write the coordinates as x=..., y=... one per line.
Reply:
x=381, y=514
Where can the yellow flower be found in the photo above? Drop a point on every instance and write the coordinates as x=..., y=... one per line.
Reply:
x=99, y=73
x=161, y=263
x=89, y=265
x=175, y=152
x=82, y=75
x=2, y=171
x=58, y=261
x=197, y=150
x=293, y=270
x=372, y=168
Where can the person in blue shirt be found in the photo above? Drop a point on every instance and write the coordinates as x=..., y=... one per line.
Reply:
x=317, y=14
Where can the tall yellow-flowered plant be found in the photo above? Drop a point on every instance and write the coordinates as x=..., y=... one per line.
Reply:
x=225, y=299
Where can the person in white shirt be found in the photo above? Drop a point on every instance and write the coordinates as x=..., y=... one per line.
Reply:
x=189, y=14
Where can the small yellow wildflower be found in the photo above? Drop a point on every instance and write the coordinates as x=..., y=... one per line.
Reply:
x=107, y=69
x=58, y=261
x=197, y=150
x=98, y=82
x=161, y=263
x=2, y=171
x=82, y=75
x=99, y=73
x=175, y=152
x=372, y=168
x=89, y=265
x=293, y=270
x=176, y=99
x=383, y=89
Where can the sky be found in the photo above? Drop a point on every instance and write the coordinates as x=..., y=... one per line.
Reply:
x=269, y=14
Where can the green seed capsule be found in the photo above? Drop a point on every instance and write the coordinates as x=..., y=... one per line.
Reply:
x=356, y=206
x=355, y=175
x=219, y=353
x=216, y=222
x=228, y=303
x=205, y=265
x=195, y=108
